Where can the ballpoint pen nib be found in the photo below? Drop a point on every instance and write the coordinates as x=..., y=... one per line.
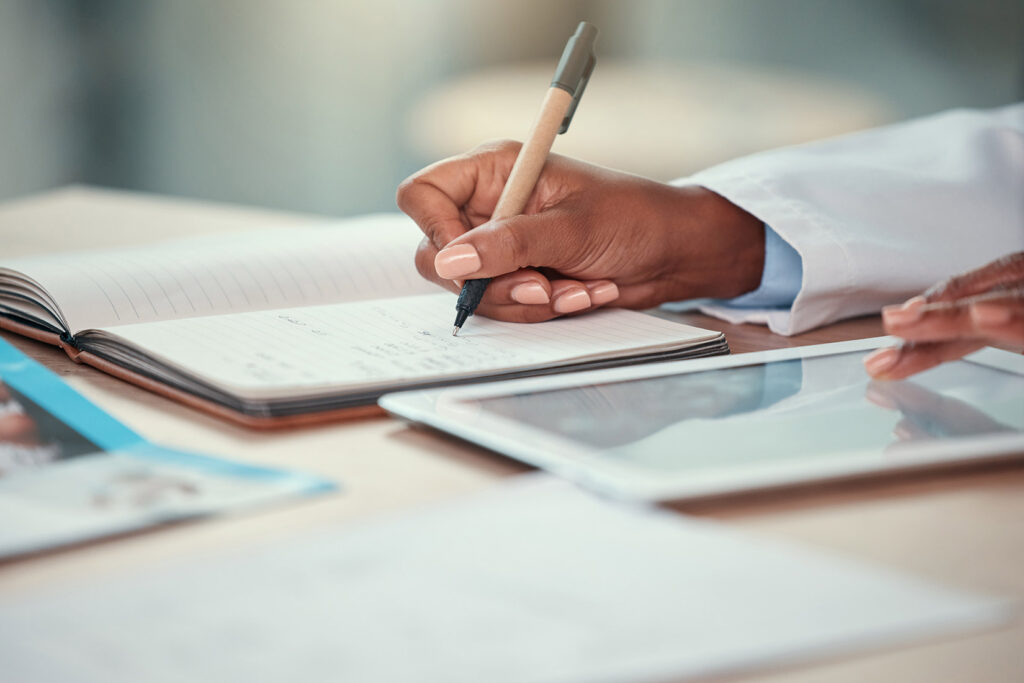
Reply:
x=455, y=331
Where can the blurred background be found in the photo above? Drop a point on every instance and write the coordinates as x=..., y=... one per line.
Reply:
x=325, y=106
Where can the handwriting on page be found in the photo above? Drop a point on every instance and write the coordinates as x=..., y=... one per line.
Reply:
x=371, y=342
x=359, y=259
x=375, y=342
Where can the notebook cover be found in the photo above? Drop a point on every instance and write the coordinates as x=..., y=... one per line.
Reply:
x=200, y=404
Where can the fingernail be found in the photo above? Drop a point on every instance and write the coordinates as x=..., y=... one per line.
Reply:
x=989, y=315
x=914, y=302
x=457, y=261
x=910, y=311
x=530, y=293
x=880, y=361
x=576, y=300
x=603, y=293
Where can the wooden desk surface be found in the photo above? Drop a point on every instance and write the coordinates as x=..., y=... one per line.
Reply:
x=964, y=529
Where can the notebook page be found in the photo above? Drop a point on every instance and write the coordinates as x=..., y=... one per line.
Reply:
x=361, y=258
x=314, y=350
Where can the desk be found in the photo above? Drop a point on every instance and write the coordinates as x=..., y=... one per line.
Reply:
x=965, y=529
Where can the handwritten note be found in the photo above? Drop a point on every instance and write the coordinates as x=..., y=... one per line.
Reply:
x=324, y=348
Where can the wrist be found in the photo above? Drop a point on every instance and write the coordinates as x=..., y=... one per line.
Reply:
x=718, y=249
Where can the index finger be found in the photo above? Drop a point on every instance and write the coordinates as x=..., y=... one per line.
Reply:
x=448, y=198
x=434, y=198
x=1003, y=272
x=943, y=321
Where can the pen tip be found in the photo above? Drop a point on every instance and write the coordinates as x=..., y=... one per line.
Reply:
x=455, y=331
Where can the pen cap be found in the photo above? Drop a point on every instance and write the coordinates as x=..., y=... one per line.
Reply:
x=575, y=67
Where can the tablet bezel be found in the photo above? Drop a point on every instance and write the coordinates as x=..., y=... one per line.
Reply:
x=444, y=409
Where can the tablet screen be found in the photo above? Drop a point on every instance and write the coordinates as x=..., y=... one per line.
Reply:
x=806, y=408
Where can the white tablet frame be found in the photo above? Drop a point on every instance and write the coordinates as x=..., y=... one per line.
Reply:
x=444, y=409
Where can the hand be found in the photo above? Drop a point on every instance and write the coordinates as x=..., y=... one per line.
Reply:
x=955, y=318
x=589, y=237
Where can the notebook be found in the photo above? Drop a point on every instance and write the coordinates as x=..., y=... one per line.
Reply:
x=290, y=326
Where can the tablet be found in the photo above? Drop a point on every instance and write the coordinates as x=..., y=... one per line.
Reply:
x=699, y=428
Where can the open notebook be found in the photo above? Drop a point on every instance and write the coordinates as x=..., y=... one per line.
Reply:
x=287, y=326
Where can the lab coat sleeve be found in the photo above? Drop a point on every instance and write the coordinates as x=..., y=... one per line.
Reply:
x=881, y=215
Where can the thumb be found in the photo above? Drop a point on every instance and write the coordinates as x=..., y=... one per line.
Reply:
x=503, y=246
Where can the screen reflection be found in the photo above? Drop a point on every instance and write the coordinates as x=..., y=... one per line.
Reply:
x=791, y=409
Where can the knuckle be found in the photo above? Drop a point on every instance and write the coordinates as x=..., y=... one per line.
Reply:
x=404, y=192
x=410, y=193
x=946, y=289
x=1011, y=266
x=434, y=234
x=512, y=242
x=501, y=145
x=425, y=260
x=1006, y=269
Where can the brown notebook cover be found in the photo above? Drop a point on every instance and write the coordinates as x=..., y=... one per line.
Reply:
x=200, y=404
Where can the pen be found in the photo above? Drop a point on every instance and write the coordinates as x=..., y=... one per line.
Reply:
x=571, y=76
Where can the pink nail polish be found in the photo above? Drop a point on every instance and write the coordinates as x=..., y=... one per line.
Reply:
x=530, y=293
x=913, y=302
x=604, y=293
x=892, y=315
x=571, y=302
x=881, y=361
x=909, y=312
x=457, y=261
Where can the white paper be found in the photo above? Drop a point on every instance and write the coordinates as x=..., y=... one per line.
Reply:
x=529, y=582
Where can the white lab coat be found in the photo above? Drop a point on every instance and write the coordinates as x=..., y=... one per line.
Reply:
x=881, y=215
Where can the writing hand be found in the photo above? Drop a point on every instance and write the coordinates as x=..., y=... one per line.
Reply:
x=589, y=237
x=954, y=318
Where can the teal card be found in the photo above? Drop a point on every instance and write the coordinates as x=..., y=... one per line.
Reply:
x=70, y=472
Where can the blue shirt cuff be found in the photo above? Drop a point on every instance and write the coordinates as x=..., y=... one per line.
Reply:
x=781, y=279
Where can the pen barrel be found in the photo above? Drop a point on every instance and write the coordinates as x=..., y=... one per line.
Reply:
x=532, y=156
x=469, y=297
